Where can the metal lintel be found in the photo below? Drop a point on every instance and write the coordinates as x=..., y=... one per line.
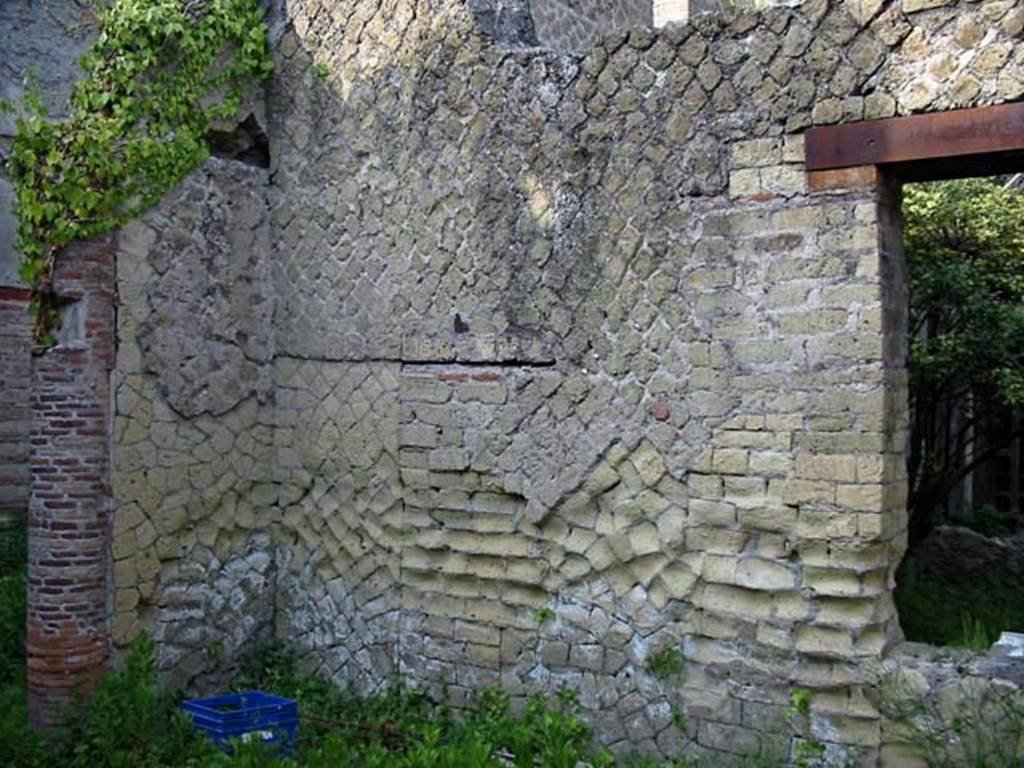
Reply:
x=958, y=133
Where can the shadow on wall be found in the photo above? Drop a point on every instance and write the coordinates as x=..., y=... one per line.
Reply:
x=562, y=222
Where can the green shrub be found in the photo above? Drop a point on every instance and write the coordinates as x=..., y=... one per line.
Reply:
x=13, y=542
x=131, y=723
x=988, y=520
x=665, y=663
x=12, y=627
x=961, y=613
x=402, y=727
x=544, y=614
x=965, y=259
x=985, y=729
x=22, y=747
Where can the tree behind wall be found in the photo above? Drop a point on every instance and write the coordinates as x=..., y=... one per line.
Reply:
x=965, y=253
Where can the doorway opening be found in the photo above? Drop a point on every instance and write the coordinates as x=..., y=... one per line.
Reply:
x=961, y=581
x=952, y=204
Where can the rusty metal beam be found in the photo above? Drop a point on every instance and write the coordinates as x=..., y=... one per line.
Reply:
x=959, y=133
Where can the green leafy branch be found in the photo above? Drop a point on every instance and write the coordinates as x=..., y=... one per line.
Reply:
x=965, y=253
x=159, y=75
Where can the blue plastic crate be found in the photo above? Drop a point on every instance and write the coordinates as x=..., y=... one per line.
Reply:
x=246, y=716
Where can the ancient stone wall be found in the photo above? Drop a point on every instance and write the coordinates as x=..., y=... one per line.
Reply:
x=521, y=366
x=191, y=548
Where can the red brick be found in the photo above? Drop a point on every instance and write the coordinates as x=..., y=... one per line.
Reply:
x=487, y=376
x=67, y=623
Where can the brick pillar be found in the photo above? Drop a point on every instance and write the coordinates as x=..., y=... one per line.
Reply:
x=70, y=491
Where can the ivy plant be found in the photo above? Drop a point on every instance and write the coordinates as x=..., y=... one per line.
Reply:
x=159, y=75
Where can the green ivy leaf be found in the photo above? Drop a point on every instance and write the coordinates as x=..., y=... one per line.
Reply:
x=137, y=124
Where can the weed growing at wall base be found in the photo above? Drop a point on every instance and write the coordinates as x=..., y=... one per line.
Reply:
x=985, y=728
x=133, y=724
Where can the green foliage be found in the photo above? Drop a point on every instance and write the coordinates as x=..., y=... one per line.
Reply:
x=13, y=541
x=679, y=719
x=963, y=613
x=160, y=73
x=321, y=70
x=22, y=747
x=131, y=723
x=12, y=627
x=665, y=663
x=544, y=614
x=965, y=253
x=974, y=635
x=985, y=728
x=800, y=703
x=402, y=727
x=13, y=586
x=988, y=520
x=807, y=752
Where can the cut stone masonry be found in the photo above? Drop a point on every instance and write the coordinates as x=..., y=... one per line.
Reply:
x=520, y=365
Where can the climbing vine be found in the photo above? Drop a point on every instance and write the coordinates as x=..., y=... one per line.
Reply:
x=160, y=74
